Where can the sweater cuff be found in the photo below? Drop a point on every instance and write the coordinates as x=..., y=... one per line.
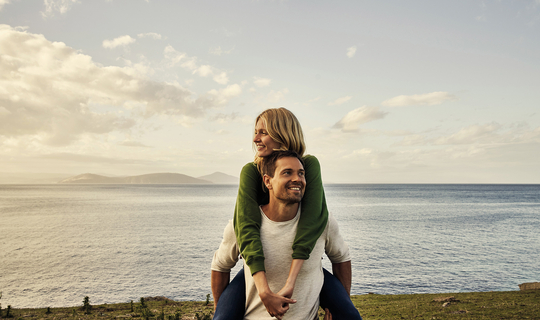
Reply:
x=301, y=252
x=256, y=265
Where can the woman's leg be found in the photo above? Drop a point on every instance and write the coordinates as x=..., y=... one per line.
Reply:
x=232, y=302
x=334, y=297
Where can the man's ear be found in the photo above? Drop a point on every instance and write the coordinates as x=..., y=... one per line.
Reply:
x=266, y=180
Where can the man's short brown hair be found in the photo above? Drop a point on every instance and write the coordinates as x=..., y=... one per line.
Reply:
x=269, y=163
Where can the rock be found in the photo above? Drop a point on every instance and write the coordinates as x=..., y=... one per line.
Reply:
x=529, y=286
x=446, y=304
x=445, y=299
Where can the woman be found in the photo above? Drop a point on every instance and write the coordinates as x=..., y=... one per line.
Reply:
x=276, y=129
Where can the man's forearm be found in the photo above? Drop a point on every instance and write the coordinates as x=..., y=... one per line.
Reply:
x=343, y=272
x=219, y=281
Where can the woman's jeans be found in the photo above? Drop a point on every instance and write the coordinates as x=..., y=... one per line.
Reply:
x=231, y=304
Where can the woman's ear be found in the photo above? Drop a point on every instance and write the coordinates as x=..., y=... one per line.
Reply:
x=266, y=180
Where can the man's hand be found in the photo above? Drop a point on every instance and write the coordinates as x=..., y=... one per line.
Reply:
x=276, y=305
x=327, y=314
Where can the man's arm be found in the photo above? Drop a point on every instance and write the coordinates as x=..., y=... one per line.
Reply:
x=219, y=281
x=343, y=272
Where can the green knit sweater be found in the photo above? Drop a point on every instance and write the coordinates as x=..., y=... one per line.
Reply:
x=247, y=217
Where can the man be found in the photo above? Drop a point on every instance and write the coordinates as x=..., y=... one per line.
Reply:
x=284, y=177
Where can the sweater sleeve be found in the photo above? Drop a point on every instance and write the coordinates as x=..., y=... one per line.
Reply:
x=314, y=214
x=247, y=217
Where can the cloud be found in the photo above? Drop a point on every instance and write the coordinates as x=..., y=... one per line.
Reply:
x=471, y=134
x=276, y=96
x=152, y=35
x=61, y=6
x=129, y=143
x=174, y=58
x=74, y=157
x=3, y=2
x=351, y=51
x=218, y=51
x=53, y=92
x=261, y=82
x=429, y=99
x=117, y=42
x=359, y=116
x=222, y=96
x=339, y=101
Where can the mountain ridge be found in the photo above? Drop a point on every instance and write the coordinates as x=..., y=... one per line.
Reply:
x=151, y=178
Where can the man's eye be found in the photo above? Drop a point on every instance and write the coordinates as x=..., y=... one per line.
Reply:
x=301, y=174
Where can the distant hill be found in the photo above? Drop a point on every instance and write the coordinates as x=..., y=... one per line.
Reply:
x=152, y=178
x=220, y=178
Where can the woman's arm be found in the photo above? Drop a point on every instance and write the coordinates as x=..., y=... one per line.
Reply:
x=247, y=217
x=314, y=214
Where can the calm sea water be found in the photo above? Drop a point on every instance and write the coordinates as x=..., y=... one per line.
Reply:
x=116, y=243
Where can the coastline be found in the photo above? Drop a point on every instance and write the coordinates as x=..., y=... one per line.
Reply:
x=464, y=305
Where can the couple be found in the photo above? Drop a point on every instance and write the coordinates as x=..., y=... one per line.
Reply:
x=290, y=222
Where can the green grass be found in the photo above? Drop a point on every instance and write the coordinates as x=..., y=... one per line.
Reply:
x=470, y=305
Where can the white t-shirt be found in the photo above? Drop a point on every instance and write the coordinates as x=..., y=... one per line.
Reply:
x=277, y=239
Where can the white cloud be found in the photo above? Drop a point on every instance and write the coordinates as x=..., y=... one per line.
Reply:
x=152, y=35
x=116, y=42
x=339, y=101
x=52, y=92
x=3, y=2
x=351, y=51
x=175, y=58
x=276, y=96
x=359, y=116
x=471, y=134
x=261, y=82
x=61, y=6
x=222, y=96
x=218, y=51
x=430, y=99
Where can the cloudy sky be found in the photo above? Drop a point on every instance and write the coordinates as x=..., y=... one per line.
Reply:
x=386, y=91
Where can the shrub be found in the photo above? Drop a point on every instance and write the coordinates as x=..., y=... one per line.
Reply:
x=87, y=308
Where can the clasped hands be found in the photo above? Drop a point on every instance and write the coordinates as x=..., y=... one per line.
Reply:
x=277, y=304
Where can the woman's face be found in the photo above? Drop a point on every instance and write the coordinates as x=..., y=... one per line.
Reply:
x=264, y=145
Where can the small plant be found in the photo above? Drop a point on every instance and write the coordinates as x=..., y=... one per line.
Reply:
x=207, y=299
x=74, y=313
x=204, y=316
x=146, y=313
x=87, y=308
x=161, y=316
x=48, y=310
x=0, y=305
x=131, y=305
x=8, y=312
x=143, y=304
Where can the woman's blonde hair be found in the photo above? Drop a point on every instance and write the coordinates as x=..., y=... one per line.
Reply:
x=283, y=127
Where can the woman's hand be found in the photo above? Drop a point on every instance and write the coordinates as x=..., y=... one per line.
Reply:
x=286, y=291
x=276, y=305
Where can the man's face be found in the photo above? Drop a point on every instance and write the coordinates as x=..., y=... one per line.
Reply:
x=289, y=182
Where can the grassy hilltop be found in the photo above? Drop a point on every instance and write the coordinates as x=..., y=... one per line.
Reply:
x=470, y=305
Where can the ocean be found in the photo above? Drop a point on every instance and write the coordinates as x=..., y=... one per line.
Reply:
x=116, y=243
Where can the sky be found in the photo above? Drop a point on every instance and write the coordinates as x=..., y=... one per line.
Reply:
x=386, y=91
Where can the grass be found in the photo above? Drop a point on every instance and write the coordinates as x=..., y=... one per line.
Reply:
x=470, y=305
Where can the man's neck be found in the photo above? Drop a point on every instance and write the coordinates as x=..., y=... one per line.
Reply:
x=279, y=211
